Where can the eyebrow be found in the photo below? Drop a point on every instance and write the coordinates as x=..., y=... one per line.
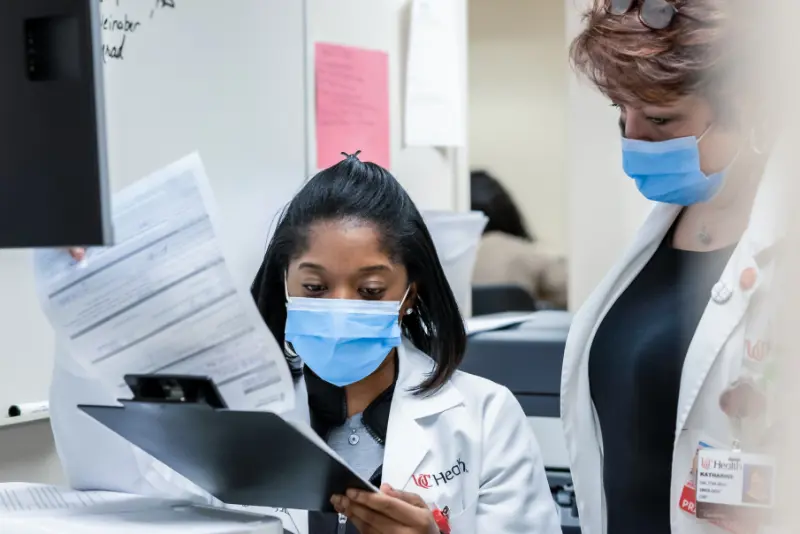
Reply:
x=367, y=269
x=374, y=269
x=663, y=112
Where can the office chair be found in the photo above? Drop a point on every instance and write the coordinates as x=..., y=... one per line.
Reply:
x=498, y=298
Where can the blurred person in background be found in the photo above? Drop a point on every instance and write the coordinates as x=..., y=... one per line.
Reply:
x=508, y=253
x=672, y=348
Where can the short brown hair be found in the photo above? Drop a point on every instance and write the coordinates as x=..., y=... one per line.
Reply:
x=629, y=62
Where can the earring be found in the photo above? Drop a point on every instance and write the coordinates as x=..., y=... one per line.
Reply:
x=409, y=311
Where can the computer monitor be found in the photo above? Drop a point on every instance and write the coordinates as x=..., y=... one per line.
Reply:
x=53, y=166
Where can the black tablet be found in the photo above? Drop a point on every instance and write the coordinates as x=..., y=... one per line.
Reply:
x=240, y=457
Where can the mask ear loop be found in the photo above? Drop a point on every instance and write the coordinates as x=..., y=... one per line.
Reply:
x=286, y=345
x=400, y=305
x=702, y=135
x=735, y=156
x=733, y=159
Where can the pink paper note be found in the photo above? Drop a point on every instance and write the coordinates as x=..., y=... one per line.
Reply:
x=352, y=89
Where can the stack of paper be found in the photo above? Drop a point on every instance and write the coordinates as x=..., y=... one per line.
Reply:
x=39, y=509
x=21, y=498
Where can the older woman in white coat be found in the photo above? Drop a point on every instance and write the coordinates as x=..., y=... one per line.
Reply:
x=670, y=352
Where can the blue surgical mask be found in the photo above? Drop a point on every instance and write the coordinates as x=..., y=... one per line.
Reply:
x=669, y=171
x=342, y=341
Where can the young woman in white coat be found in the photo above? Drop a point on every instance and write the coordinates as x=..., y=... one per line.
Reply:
x=352, y=287
x=671, y=349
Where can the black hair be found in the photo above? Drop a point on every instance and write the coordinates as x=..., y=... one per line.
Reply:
x=490, y=197
x=366, y=192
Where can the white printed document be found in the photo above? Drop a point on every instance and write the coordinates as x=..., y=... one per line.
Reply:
x=498, y=321
x=162, y=300
x=42, y=509
x=37, y=498
x=435, y=106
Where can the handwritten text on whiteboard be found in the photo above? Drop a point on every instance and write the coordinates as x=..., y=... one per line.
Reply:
x=120, y=21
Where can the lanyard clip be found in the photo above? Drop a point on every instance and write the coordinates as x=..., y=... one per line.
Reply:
x=736, y=422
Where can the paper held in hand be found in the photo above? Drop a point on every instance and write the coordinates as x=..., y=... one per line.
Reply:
x=163, y=301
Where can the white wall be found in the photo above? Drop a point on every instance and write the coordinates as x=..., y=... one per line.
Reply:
x=604, y=209
x=517, y=100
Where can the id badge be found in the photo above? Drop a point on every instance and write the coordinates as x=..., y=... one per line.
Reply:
x=688, y=498
x=734, y=485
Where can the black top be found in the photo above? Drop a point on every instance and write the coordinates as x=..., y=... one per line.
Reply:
x=635, y=368
x=328, y=409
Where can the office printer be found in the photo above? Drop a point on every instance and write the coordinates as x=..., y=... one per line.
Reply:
x=526, y=357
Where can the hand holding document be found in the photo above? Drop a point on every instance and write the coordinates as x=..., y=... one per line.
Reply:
x=163, y=299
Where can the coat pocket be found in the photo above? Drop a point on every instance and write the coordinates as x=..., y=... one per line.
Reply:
x=464, y=521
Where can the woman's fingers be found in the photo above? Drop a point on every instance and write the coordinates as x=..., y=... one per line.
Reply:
x=362, y=527
x=383, y=513
x=77, y=253
x=392, y=507
x=411, y=498
x=365, y=519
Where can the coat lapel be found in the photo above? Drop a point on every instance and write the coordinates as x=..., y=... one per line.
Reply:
x=720, y=319
x=716, y=325
x=407, y=441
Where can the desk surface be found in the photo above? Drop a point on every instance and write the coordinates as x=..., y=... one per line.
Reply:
x=23, y=419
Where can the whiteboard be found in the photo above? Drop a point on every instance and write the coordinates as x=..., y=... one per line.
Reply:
x=225, y=78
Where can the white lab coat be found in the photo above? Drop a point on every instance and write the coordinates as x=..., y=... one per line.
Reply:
x=471, y=439
x=716, y=357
